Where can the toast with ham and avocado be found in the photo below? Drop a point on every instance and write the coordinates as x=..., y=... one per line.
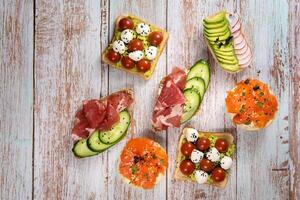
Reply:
x=227, y=42
x=180, y=95
x=204, y=157
x=136, y=46
x=100, y=124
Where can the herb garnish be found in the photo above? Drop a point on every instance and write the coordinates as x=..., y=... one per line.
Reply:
x=259, y=104
x=134, y=169
x=261, y=94
x=248, y=122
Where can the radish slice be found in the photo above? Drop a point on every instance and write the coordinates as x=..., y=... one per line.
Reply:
x=236, y=33
x=244, y=55
x=239, y=39
x=245, y=60
x=241, y=51
x=232, y=19
x=240, y=45
x=247, y=64
x=236, y=27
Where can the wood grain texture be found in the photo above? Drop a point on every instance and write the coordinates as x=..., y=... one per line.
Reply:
x=185, y=47
x=263, y=166
x=16, y=99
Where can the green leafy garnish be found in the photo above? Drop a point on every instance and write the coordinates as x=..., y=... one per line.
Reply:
x=261, y=94
x=212, y=140
x=134, y=169
x=230, y=150
x=209, y=180
x=247, y=123
x=259, y=104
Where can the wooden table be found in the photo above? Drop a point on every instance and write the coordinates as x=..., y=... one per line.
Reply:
x=50, y=62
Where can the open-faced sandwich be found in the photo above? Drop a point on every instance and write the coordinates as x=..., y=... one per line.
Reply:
x=136, y=46
x=227, y=42
x=100, y=124
x=142, y=163
x=204, y=157
x=251, y=105
x=180, y=95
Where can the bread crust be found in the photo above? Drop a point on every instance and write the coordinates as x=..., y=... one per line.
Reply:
x=153, y=62
x=214, y=56
x=181, y=177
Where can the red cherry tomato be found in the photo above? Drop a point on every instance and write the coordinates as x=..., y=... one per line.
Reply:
x=155, y=38
x=143, y=65
x=125, y=23
x=187, y=167
x=187, y=148
x=218, y=174
x=113, y=56
x=221, y=145
x=127, y=62
x=135, y=45
x=203, y=143
x=206, y=165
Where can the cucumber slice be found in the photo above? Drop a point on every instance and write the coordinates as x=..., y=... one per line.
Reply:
x=200, y=69
x=192, y=104
x=197, y=84
x=118, y=131
x=81, y=149
x=95, y=144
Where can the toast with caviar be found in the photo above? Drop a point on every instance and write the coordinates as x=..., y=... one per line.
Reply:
x=204, y=157
x=226, y=40
x=136, y=46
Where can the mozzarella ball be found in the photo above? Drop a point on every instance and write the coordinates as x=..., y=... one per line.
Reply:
x=226, y=162
x=143, y=29
x=191, y=134
x=196, y=156
x=119, y=46
x=213, y=155
x=201, y=176
x=136, y=55
x=127, y=35
x=151, y=52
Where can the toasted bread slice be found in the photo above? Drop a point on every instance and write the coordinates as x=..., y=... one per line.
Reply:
x=145, y=75
x=179, y=176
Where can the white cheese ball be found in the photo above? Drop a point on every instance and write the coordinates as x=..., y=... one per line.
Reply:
x=119, y=46
x=213, y=155
x=196, y=156
x=226, y=162
x=136, y=55
x=127, y=35
x=151, y=52
x=143, y=29
x=201, y=176
x=191, y=134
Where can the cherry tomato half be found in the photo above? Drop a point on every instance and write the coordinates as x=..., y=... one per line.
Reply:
x=187, y=167
x=187, y=148
x=113, y=56
x=125, y=23
x=135, y=45
x=218, y=174
x=221, y=145
x=206, y=165
x=143, y=65
x=127, y=62
x=203, y=143
x=155, y=38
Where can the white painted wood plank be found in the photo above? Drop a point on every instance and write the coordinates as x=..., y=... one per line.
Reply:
x=16, y=99
x=67, y=71
x=263, y=167
x=154, y=12
x=185, y=47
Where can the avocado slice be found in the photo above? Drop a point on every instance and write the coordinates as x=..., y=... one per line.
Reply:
x=224, y=48
x=222, y=37
x=217, y=25
x=216, y=33
x=230, y=61
x=217, y=18
x=222, y=29
x=230, y=68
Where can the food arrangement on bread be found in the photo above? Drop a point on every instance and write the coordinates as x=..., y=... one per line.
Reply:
x=251, y=105
x=204, y=157
x=142, y=163
x=136, y=46
x=180, y=95
x=227, y=42
x=100, y=124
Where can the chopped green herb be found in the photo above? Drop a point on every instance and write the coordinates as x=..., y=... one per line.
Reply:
x=248, y=122
x=243, y=93
x=154, y=156
x=242, y=110
x=259, y=104
x=261, y=94
x=134, y=169
x=162, y=161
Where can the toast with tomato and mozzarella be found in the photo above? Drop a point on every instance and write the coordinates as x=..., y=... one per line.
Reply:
x=204, y=157
x=179, y=96
x=136, y=46
x=226, y=40
x=251, y=105
x=102, y=123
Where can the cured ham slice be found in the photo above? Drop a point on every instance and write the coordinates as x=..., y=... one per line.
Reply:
x=100, y=114
x=169, y=106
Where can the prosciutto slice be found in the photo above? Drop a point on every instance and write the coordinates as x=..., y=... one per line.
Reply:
x=100, y=114
x=169, y=105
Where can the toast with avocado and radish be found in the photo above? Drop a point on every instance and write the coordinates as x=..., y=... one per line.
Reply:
x=102, y=123
x=136, y=46
x=180, y=95
x=227, y=42
x=204, y=157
